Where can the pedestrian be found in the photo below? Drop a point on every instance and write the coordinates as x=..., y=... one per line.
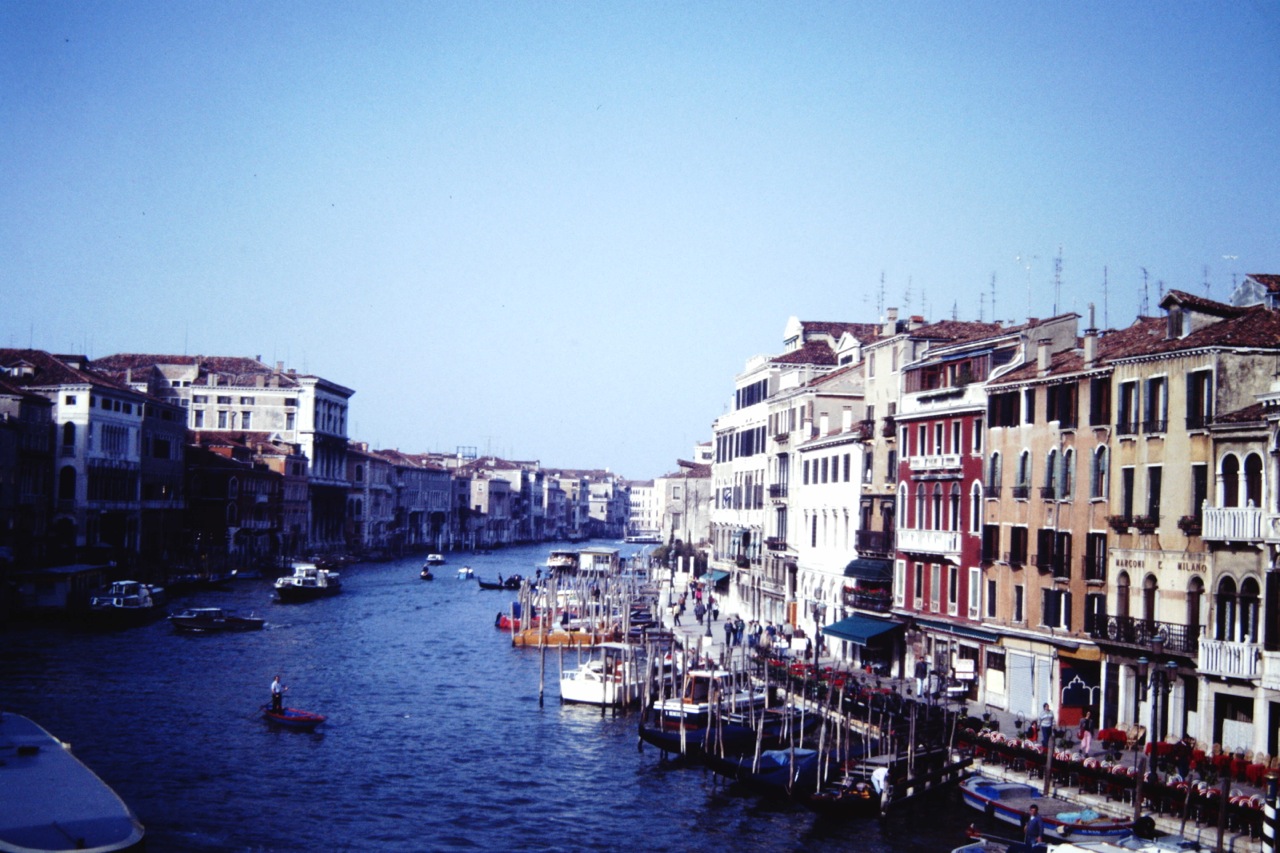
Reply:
x=738, y=627
x=1086, y=732
x=1046, y=725
x=1035, y=825
x=699, y=610
x=675, y=614
x=728, y=632
x=715, y=607
x=922, y=675
x=277, y=695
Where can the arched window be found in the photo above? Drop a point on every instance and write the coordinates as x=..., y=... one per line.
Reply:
x=1067, y=485
x=1122, y=596
x=1099, y=474
x=1024, y=469
x=901, y=509
x=233, y=513
x=1253, y=480
x=1149, y=590
x=1248, y=606
x=954, y=521
x=975, y=508
x=68, y=434
x=936, y=521
x=67, y=483
x=1051, y=474
x=1225, y=605
x=1230, y=480
x=1195, y=594
x=233, y=488
x=919, y=519
x=359, y=473
x=993, y=472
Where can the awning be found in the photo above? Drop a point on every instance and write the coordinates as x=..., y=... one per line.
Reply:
x=869, y=569
x=717, y=575
x=958, y=630
x=860, y=629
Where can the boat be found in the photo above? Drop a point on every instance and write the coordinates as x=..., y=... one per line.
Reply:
x=1009, y=802
x=561, y=561
x=465, y=573
x=614, y=676
x=126, y=603
x=1157, y=843
x=644, y=539
x=52, y=801
x=212, y=620
x=426, y=573
x=293, y=718
x=434, y=560
x=511, y=583
x=792, y=772
x=535, y=637
x=308, y=582
x=684, y=724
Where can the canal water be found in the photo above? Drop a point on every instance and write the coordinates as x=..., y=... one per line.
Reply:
x=435, y=738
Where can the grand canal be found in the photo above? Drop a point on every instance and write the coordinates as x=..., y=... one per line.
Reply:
x=435, y=738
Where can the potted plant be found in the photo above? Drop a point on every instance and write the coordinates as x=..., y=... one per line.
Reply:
x=1190, y=525
x=1119, y=523
x=1146, y=523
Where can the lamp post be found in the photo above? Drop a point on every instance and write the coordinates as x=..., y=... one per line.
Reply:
x=1156, y=681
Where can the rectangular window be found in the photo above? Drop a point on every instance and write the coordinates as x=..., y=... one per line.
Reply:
x=1095, y=613
x=991, y=598
x=806, y=472
x=1019, y=604
x=1126, y=492
x=922, y=439
x=919, y=586
x=1055, y=608
x=977, y=435
x=813, y=532
x=246, y=401
x=1095, y=557
x=891, y=471
x=899, y=583
x=1199, y=399
x=1029, y=406
x=1156, y=406
x=937, y=439
x=198, y=418
x=289, y=420
x=990, y=543
x=1127, y=417
x=1154, y=476
x=824, y=469
x=975, y=592
x=935, y=588
x=1002, y=409
x=1100, y=401
x=1017, y=555
x=955, y=437
x=224, y=401
x=246, y=420
x=1199, y=490
x=848, y=463
x=953, y=590
x=222, y=420
x=1061, y=405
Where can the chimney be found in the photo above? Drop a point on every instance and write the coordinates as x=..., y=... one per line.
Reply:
x=890, y=322
x=1042, y=356
x=1090, y=341
x=279, y=367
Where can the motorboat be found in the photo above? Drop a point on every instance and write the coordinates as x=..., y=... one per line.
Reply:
x=125, y=603
x=1156, y=843
x=511, y=583
x=466, y=573
x=293, y=718
x=613, y=676
x=52, y=801
x=434, y=560
x=212, y=620
x=694, y=719
x=562, y=561
x=308, y=582
x=1010, y=802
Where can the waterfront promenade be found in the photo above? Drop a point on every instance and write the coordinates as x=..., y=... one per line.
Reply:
x=1199, y=825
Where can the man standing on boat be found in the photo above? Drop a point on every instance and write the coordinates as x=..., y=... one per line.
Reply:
x=1035, y=827
x=277, y=695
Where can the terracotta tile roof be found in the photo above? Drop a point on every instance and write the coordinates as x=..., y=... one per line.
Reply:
x=1199, y=303
x=961, y=331
x=862, y=331
x=53, y=370
x=1254, y=327
x=231, y=370
x=690, y=471
x=1253, y=413
x=811, y=352
x=1270, y=282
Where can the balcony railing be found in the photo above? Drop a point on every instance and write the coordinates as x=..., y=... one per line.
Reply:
x=775, y=543
x=1016, y=559
x=929, y=541
x=1155, y=425
x=876, y=602
x=875, y=543
x=777, y=490
x=1270, y=670
x=1020, y=492
x=1132, y=631
x=1230, y=659
x=935, y=462
x=1232, y=523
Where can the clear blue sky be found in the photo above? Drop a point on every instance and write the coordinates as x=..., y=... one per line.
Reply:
x=558, y=230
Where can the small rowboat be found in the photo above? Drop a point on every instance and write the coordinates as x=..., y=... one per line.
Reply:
x=293, y=718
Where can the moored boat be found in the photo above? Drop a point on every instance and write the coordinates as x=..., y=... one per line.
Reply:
x=435, y=560
x=211, y=620
x=705, y=707
x=308, y=582
x=126, y=603
x=293, y=718
x=1010, y=801
x=613, y=676
x=51, y=801
x=792, y=772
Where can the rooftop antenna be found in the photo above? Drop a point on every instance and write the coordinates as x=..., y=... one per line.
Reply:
x=993, y=296
x=1146, y=300
x=955, y=310
x=1106, y=317
x=1206, y=282
x=880, y=297
x=906, y=297
x=1026, y=260
x=1057, y=280
x=982, y=307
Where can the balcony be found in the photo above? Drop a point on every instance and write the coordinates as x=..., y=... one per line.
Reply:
x=1139, y=633
x=1015, y=559
x=1232, y=523
x=1230, y=659
x=876, y=601
x=778, y=491
x=1020, y=492
x=946, y=542
x=775, y=543
x=875, y=543
x=935, y=462
x=782, y=437
x=1155, y=425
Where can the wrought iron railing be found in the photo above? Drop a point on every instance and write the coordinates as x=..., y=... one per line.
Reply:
x=1133, y=631
x=875, y=543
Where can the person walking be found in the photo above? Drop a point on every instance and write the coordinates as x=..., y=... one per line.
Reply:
x=699, y=610
x=1086, y=732
x=1046, y=725
x=922, y=675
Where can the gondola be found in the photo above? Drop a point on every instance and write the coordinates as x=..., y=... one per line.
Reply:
x=511, y=583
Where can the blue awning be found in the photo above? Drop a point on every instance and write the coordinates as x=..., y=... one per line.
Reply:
x=717, y=576
x=958, y=630
x=860, y=629
x=870, y=569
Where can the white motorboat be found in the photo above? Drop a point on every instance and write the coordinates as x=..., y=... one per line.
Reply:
x=127, y=603
x=307, y=582
x=614, y=675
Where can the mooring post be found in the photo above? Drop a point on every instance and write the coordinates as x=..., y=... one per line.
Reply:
x=1269, y=816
